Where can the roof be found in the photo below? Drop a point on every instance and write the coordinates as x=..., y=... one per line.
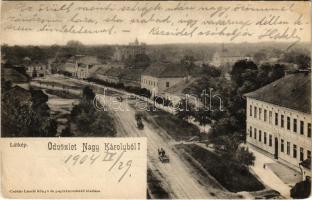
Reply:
x=10, y=74
x=133, y=74
x=178, y=89
x=101, y=70
x=34, y=64
x=69, y=67
x=115, y=72
x=20, y=95
x=166, y=70
x=88, y=60
x=51, y=60
x=292, y=91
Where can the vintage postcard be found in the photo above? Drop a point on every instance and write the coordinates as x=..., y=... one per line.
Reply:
x=156, y=99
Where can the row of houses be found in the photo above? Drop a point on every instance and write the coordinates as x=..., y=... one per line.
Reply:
x=117, y=73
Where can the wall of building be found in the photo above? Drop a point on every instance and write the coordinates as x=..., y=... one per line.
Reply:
x=150, y=83
x=285, y=132
x=40, y=70
x=158, y=85
x=218, y=59
x=109, y=79
x=162, y=83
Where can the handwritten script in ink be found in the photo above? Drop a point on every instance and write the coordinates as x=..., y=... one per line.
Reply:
x=203, y=21
x=115, y=159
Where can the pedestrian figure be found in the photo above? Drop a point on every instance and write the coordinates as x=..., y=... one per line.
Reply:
x=263, y=166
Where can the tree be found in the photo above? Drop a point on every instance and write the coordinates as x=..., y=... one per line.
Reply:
x=5, y=85
x=212, y=71
x=259, y=56
x=25, y=115
x=138, y=61
x=303, y=61
x=239, y=68
x=141, y=61
x=88, y=93
x=203, y=116
x=244, y=157
x=89, y=121
x=263, y=74
x=185, y=110
x=278, y=71
x=298, y=56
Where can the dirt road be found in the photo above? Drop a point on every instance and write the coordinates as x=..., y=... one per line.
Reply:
x=180, y=181
x=177, y=177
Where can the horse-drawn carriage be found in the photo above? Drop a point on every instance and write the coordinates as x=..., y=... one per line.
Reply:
x=162, y=156
x=140, y=124
x=138, y=118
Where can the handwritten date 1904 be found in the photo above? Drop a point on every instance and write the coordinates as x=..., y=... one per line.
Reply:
x=118, y=163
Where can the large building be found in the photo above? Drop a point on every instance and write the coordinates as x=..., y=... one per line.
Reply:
x=161, y=76
x=111, y=75
x=37, y=70
x=177, y=92
x=81, y=66
x=226, y=58
x=279, y=120
x=130, y=51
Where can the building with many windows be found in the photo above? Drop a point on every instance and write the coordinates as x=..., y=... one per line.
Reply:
x=129, y=51
x=279, y=120
x=161, y=76
x=37, y=70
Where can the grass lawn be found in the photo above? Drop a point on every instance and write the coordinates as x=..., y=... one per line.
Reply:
x=155, y=187
x=62, y=94
x=177, y=128
x=229, y=176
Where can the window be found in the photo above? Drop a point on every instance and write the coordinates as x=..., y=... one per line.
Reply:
x=288, y=123
x=255, y=112
x=276, y=119
x=250, y=131
x=288, y=148
x=301, y=154
x=250, y=110
x=282, y=121
x=265, y=137
x=260, y=112
x=295, y=125
x=265, y=115
x=282, y=145
x=270, y=140
x=255, y=132
x=301, y=127
x=308, y=154
x=167, y=84
x=309, y=130
x=295, y=151
x=270, y=117
x=260, y=134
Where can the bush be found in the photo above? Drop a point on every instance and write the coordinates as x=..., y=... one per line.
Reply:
x=230, y=174
x=135, y=90
x=89, y=121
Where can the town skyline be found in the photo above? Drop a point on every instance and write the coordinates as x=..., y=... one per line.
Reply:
x=155, y=44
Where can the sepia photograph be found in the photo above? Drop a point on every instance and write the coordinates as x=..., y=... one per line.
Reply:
x=220, y=90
